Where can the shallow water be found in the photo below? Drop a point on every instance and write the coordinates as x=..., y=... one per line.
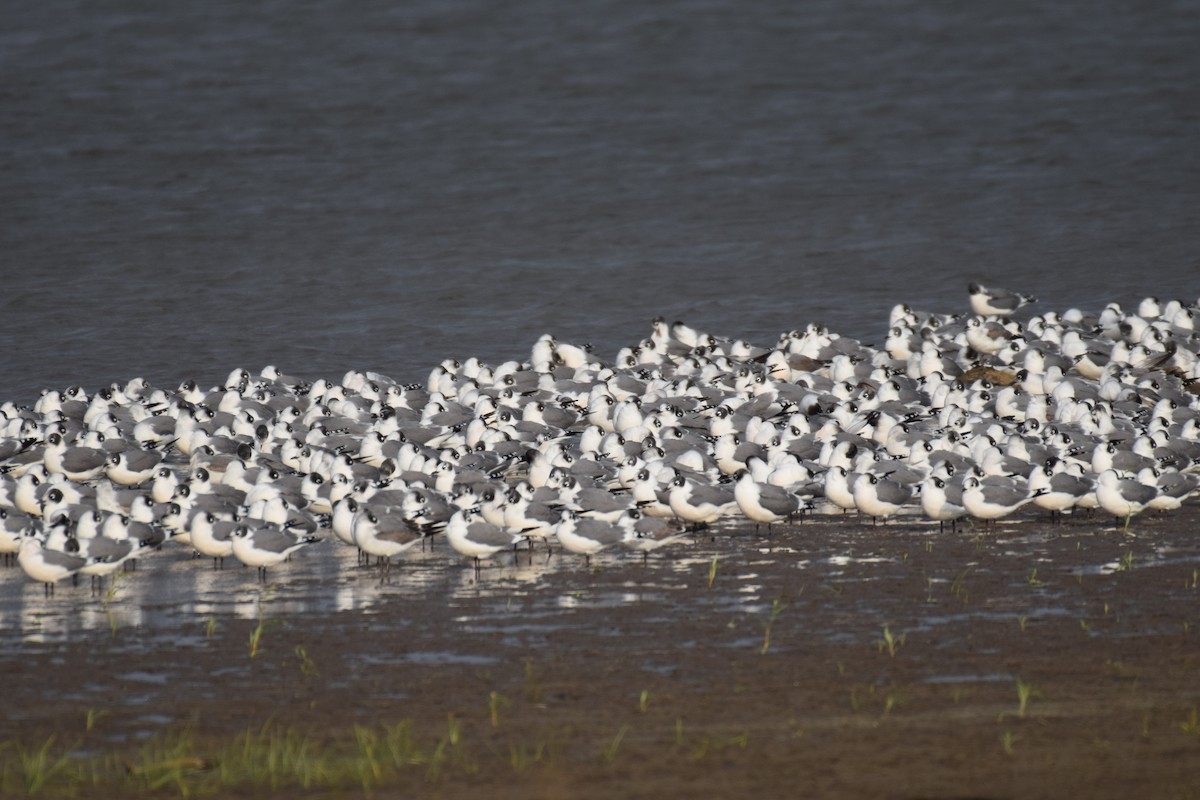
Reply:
x=787, y=639
x=379, y=186
x=172, y=597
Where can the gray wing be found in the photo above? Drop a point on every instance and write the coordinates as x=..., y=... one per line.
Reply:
x=488, y=534
x=777, y=500
x=892, y=492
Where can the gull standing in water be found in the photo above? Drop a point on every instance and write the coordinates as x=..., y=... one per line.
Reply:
x=994, y=499
x=46, y=566
x=941, y=499
x=644, y=533
x=264, y=547
x=699, y=504
x=763, y=503
x=879, y=496
x=473, y=536
x=384, y=533
x=587, y=536
x=1123, y=497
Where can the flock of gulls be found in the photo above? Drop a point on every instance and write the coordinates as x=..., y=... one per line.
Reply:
x=956, y=416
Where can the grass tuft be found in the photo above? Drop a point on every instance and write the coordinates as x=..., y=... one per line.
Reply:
x=890, y=642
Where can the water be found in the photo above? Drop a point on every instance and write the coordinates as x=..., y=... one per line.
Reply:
x=368, y=185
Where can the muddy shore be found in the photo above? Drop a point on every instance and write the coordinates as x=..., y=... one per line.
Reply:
x=831, y=658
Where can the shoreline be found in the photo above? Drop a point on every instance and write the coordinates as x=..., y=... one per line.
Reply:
x=631, y=679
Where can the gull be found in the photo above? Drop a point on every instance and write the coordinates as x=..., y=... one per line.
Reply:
x=69, y=498
x=1173, y=486
x=342, y=520
x=265, y=547
x=472, y=536
x=105, y=556
x=429, y=506
x=839, y=487
x=644, y=533
x=1123, y=497
x=163, y=484
x=77, y=463
x=132, y=467
x=941, y=499
x=47, y=566
x=1058, y=491
x=763, y=503
x=587, y=536
x=383, y=533
x=993, y=498
x=212, y=536
x=532, y=517
x=879, y=496
x=651, y=497
x=699, y=504
x=13, y=525
x=991, y=302
x=594, y=502
x=987, y=336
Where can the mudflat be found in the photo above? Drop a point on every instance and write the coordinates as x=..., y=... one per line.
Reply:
x=829, y=658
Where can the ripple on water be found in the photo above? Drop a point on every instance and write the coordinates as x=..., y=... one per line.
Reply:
x=138, y=676
x=428, y=657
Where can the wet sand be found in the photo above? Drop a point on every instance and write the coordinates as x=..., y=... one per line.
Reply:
x=551, y=678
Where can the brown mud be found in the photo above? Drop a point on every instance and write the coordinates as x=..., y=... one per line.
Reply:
x=830, y=658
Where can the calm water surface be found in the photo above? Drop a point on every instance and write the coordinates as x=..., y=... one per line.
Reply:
x=369, y=185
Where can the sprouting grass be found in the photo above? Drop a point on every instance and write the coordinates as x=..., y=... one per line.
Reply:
x=958, y=587
x=273, y=757
x=1007, y=740
x=210, y=626
x=1023, y=620
x=450, y=752
x=403, y=759
x=256, y=635
x=1126, y=562
x=170, y=761
x=370, y=769
x=1025, y=693
x=893, y=700
x=714, y=744
x=712, y=572
x=264, y=622
x=109, y=596
x=1033, y=579
x=496, y=702
x=93, y=716
x=777, y=607
x=39, y=767
x=307, y=667
x=1191, y=725
x=644, y=701
x=521, y=756
x=608, y=753
x=890, y=642
x=403, y=750
x=533, y=683
x=267, y=758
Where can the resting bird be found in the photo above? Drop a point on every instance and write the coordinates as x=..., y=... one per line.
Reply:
x=987, y=302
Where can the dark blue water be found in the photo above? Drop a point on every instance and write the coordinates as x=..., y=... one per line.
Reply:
x=368, y=185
